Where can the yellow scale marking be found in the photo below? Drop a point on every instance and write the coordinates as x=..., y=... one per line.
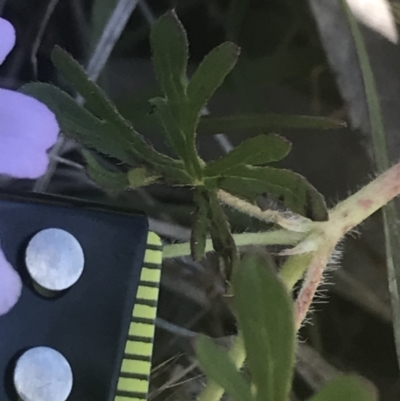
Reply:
x=150, y=275
x=145, y=311
x=142, y=330
x=122, y=398
x=133, y=383
x=147, y=293
x=138, y=348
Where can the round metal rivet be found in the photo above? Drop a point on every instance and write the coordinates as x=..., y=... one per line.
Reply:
x=43, y=374
x=54, y=259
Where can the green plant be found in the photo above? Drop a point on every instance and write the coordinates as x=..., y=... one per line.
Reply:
x=307, y=228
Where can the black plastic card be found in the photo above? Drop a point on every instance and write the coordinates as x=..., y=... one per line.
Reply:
x=87, y=323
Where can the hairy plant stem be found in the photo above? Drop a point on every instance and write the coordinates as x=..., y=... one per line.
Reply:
x=312, y=281
x=312, y=254
x=273, y=237
x=292, y=222
x=342, y=218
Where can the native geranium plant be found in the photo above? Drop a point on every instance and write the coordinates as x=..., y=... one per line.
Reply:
x=267, y=317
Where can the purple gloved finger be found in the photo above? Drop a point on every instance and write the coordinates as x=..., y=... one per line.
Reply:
x=7, y=39
x=10, y=285
x=27, y=129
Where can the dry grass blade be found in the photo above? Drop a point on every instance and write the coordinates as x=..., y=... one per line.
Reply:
x=379, y=140
x=35, y=47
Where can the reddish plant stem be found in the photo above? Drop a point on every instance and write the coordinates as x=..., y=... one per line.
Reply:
x=344, y=217
x=312, y=281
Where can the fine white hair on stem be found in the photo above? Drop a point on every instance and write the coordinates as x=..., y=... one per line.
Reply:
x=336, y=257
x=310, y=293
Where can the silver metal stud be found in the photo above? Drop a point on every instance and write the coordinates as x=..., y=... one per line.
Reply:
x=54, y=259
x=43, y=374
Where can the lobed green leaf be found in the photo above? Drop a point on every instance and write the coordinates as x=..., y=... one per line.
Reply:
x=170, y=54
x=106, y=111
x=205, y=81
x=78, y=123
x=96, y=99
x=121, y=141
x=261, y=149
